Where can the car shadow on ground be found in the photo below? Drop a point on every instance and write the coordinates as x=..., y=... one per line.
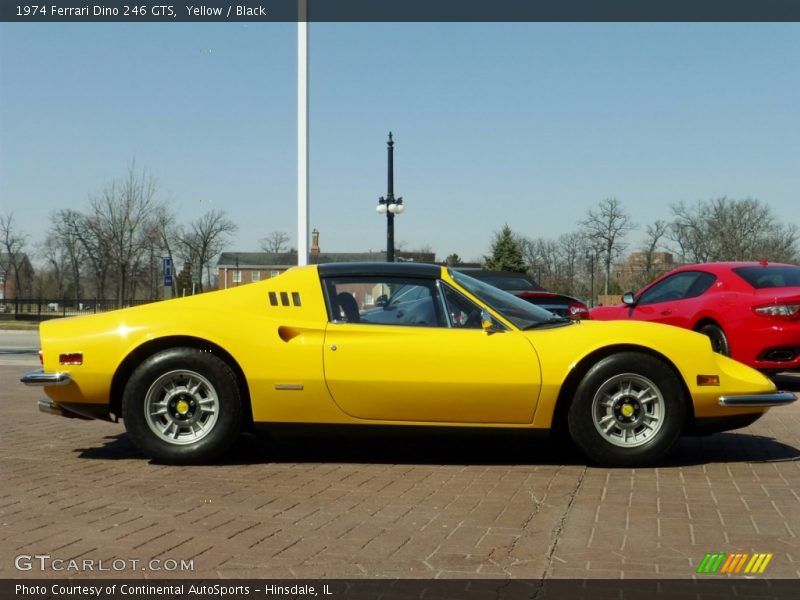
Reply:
x=453, y=448
x=729, y=447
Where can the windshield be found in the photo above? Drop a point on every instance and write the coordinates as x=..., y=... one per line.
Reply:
x=521, y=313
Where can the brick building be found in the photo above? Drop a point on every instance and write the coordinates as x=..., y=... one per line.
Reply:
x=238, y=268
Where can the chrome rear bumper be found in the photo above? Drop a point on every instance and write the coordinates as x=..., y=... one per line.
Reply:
x=758, y=400
x=40, y=378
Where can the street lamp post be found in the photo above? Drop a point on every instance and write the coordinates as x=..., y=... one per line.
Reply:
x=390, y=206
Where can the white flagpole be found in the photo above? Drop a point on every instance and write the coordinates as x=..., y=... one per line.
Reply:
x=302, y=133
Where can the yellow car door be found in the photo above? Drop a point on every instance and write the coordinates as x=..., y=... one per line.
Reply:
x=431, y=374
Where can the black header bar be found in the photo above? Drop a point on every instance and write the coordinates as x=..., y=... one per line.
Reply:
x=142, y=11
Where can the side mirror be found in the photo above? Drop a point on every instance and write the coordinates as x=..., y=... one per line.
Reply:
x=488, y=324
x=382, y=301
x=627, y=298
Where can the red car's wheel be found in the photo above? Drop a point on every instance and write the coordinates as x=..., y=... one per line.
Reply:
x=719, y=341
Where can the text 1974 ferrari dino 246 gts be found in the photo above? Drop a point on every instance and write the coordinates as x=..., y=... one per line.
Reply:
x=388, y=344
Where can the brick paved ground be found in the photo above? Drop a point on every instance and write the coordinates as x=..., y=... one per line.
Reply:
x=412, y=506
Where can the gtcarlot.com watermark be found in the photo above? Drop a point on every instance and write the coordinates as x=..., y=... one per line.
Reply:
x=45, y=562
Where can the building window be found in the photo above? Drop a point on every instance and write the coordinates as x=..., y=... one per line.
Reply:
x=256, y=276
x=237, y=276
x=274, y=273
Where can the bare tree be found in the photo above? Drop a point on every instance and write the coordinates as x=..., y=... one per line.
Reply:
x=122, y=214
x=571, y=251
x=55, y=281
x=64, y=232
x=541, y=257
x=605, y=229
x=12, y=242
x=204, y=239
x=656, y=231
x=557, y=264
x=729, y=229
x=93, y=244
x=275, y=242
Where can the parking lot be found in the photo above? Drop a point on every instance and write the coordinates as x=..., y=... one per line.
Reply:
x=406, y=505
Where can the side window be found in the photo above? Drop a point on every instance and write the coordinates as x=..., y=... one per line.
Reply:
x=700, y=284
x=680, y=286
x=384, y=301
x=462, y=312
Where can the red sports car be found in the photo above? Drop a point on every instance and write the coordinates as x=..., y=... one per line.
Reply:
x=751, y=311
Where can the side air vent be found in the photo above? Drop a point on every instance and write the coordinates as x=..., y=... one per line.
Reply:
x=284, y=299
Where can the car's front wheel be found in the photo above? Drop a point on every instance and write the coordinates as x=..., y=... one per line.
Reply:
x=182, y=405
x=628, y=410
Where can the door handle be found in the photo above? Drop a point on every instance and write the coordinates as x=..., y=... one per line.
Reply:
x=666, y=312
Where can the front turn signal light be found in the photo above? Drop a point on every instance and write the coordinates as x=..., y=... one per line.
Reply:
x=708, y=380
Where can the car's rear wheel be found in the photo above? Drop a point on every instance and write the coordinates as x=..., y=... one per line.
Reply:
x=719, y=341
x=182, y=405
x=628, y=410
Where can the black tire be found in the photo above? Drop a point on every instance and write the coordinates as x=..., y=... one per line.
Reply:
x=182, y=406
x=719, y=341
x=639, y=404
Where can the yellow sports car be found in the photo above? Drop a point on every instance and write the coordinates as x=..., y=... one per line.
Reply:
x=389, y=344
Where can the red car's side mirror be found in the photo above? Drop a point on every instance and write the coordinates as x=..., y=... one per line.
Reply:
x=628, y=298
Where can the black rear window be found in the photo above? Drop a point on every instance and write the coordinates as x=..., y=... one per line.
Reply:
x=770, y=277
x=508, y=283
x=504, y=281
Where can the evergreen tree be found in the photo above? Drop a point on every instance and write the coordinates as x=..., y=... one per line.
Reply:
x=506, y=253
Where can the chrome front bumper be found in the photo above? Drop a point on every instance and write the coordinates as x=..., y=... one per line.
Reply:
x=40, y=378
x=758, y=400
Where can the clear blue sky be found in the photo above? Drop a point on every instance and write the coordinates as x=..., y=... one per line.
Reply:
x=530, y=124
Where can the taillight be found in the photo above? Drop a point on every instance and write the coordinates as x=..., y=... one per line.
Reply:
x=41, y=357
x=70, y=358
x=779, y=311
x=578, y=310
